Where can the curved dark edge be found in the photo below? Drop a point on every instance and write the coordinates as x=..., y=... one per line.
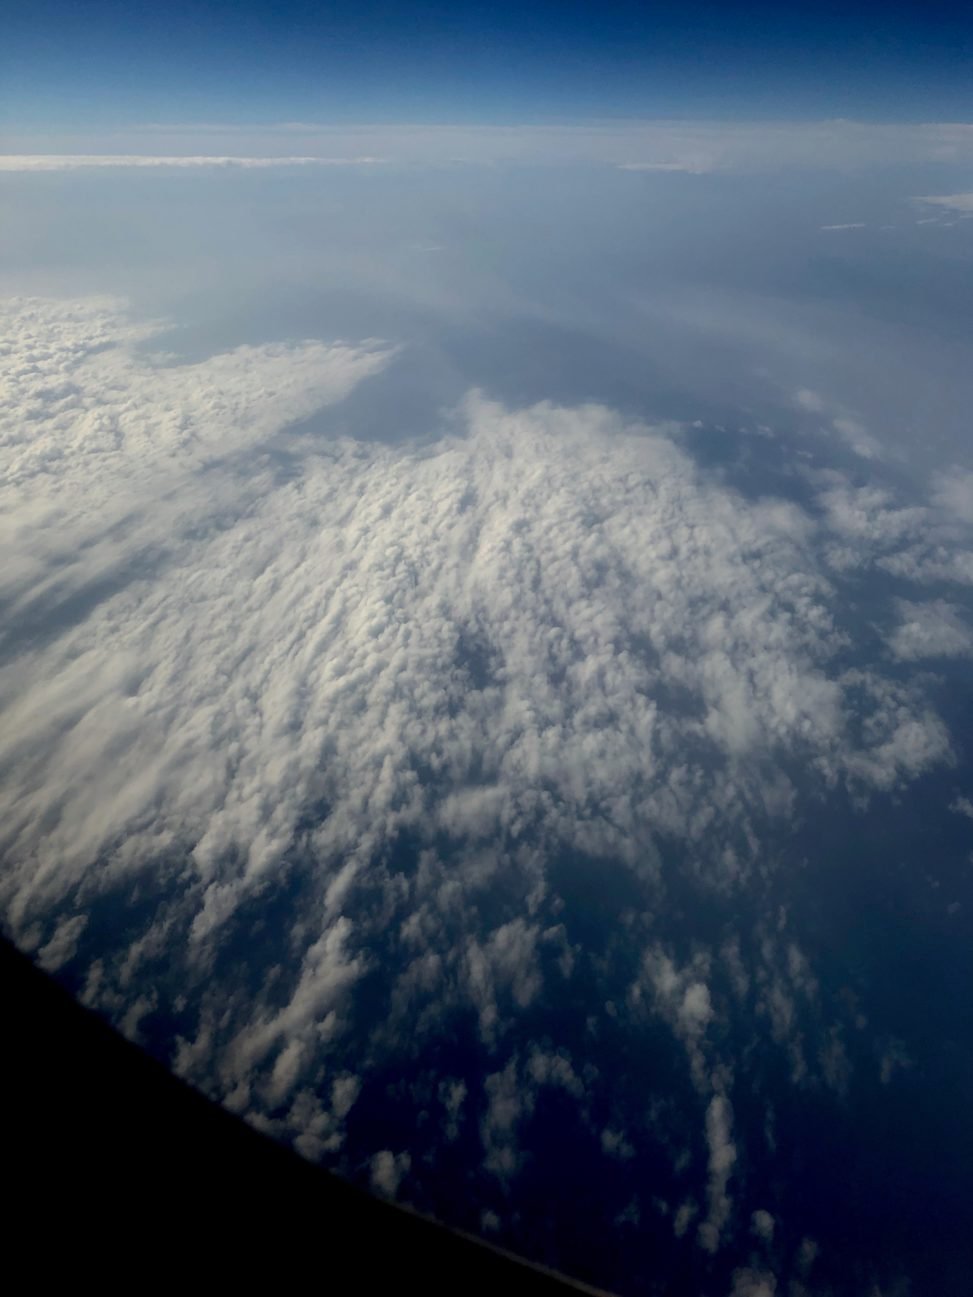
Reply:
x=116, y=1171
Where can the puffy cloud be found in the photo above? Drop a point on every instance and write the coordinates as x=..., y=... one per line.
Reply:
x=682, y=997
x=930, y=630
x=614, y=1143
x=722, y=1158
x=684, y=1218
x=508, y=1103
x=506, y=961
x=388, y=1170
x=762, y=1224
x=870, y=527
x=441, y=637
x=953, y=492
x=62, y=945
x=753, y=1283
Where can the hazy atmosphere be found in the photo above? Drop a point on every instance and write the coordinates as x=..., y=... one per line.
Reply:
x=485, y=651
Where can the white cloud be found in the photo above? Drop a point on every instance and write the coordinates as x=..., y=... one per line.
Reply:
x=240, y=657
x=62, y=945
x=762, y=1224
x=508, y=1103
x=506, y=962
x=722, y=1158
x=961, y=204
x=240, y=627
x=851, y=430
x=930, y=630
x=953, y=493
x=870, y=527
x=753, y=1283
x=388, y=1170
x=682, y=997
x=614, y=1144
x=684, y=1218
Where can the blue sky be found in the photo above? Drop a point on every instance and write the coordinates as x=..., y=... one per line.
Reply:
x=373, y=60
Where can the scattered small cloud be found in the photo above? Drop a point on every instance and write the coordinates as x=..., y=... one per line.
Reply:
x=753, y=1283
x=388, y=1169
x=762, y=1225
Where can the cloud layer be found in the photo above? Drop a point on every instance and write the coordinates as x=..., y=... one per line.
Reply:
x=692, y=146
x=393, y=695
x=101, y=161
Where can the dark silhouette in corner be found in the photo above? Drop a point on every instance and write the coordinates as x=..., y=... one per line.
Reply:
x=118, y=1174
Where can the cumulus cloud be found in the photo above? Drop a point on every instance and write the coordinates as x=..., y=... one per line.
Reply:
x=953, y=493
x=849, y=429
x=508, y=1104
x=762, y=1224
x=388, y=1170
x=753, y=1283
x=722, y=1157
x=870, y=527
x=684, y=1218
x=252, y=646
x=682, y=997
x=930, y=630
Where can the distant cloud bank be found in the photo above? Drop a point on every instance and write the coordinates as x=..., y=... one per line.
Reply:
x=82, y=161
x=693, y=147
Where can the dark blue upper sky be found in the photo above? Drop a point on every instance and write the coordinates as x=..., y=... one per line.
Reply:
x=112, y=61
